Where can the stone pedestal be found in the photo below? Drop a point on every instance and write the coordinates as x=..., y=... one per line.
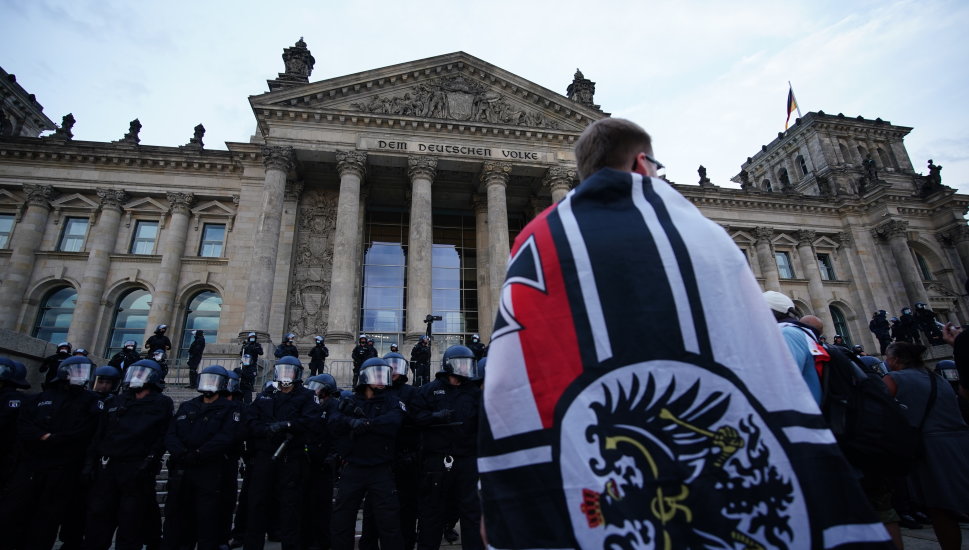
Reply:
x=495, y=178
x=765, y=258
x=26, y=240
x=420, y=243
x=346, y=250
x=172, y=249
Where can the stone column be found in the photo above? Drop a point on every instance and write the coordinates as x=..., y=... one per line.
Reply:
x=346, y=251
x=495, y=178
x=486, y=315
x=960, y=236
x=27, y=234
x=172, y=247
x=947, y=241
x=895, y=232
x=768, y=265
x=809, y=265
x=278, y=161
x=420, y=241
x=100, y=246
x=559, y=180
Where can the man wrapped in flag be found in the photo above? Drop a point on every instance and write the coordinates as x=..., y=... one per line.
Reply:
x=669, y=414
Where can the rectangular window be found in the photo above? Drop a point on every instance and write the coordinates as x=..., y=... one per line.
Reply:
x=72, y=239
x=146, y=233
x=6, y=228
x=213, y=236
x=784, y=269
x=826, y=267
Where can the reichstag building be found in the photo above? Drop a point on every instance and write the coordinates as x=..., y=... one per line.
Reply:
x=366, y=202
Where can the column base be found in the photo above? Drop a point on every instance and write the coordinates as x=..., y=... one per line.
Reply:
x=410, y=340
x=261, y=337
x=340, y=336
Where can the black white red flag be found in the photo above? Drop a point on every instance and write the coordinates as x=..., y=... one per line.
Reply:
x=640, y=395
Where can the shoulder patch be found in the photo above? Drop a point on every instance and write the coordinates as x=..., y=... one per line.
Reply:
x=45, y=403
x=316, y=399
x=402, y=406
x=14, y=403
x=439, y=392
x=236, y=416
x=101, y=404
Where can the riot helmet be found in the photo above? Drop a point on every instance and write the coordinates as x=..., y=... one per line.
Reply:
x=920, y=305
x=64, y=348
x=20, y=375
x=881, y=313
x=906, y=311
x=370, y=342
x=375, y=372
x=199, y=332
x=251, y=337
x=479, y=375
x=76, y=371
x=318, y=339
x=235, y=382
x=287, y=370
x=894, y=319
x=141, y=374
x=394, y=348
x=8, y=372
x=838, y=339
x=458, y=361
x=81, y=351
x=874, y=364
x=213, y=378
x=160, y=329
x=947, y=369
x=289, y=337
x=159, y=355
x=129, y=345
x=106, y=379
x=362, y=340
x=397, y=363
x=322, y=384
x=858, y=348
x=475, y=338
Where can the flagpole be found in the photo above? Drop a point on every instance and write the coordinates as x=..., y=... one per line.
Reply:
x=796, y=104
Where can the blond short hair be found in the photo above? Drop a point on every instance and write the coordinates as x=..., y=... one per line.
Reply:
x=610, y=143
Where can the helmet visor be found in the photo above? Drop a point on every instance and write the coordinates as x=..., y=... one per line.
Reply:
x=158, y=356
x=398, y=364
x=286, y=374
x=211, y=382
x=79, y=374
x=137, y=376
x=463, y=366
x=377, y=375
x=105, y=384
x=952, y=375
x=234, y=385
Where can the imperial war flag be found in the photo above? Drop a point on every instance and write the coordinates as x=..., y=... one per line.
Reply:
x=640, y=395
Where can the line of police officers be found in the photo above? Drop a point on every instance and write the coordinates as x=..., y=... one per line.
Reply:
x=80, y=464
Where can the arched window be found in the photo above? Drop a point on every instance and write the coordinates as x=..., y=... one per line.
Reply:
x=923, y=266
x=767, y=186
x=785, y=179
x=130, y=321
x=802, y=165
x=54, y=317
x=203, y=313
x=840, y=324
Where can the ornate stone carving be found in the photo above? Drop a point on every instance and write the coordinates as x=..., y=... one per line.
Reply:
x=495, y=173
x=945, y=239
x=805, y=237
x=180, y=202
x=131, y=138
x=278, y=157
x=420, y=166
x=352, y=162
x=845, y=238
x=64, y=132
x=558, y=177
x=298, y=62
x=891, y=229
x=704, y=180
x=195, y=142
x=762, y=234
x=309, y=297
x=112, y=198
x=39, y=195
x=455, y=98
x=582, y=90
x=745, y=180
x=293, y=190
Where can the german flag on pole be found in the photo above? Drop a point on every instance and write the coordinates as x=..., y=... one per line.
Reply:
x=791, y=105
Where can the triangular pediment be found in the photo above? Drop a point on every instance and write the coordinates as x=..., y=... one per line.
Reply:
x=215, y=208
x=145, y=204
x=8, y=198
x=453, y=88
x=73, y=200
x=825, y=242
x=784, y=240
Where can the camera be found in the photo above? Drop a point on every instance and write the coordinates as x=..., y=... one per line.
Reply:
x=432, y=318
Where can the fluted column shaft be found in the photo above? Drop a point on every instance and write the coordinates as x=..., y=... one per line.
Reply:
x=101, y=245
x=486, y=316
x=495, y=178
x=768, y=265
x=895, y=232
x=26, y=240
x=420, y=242
x=809, y=265
x=172, y=248
x=346, y=250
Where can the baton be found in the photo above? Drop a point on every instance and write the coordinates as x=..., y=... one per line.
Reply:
x=282, y=446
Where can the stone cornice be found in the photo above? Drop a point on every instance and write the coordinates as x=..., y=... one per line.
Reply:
x=421, y=166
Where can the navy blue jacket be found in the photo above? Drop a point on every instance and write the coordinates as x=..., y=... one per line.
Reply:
x=439, y=436
x=203, y=433
x=297, y=407
x=372, y=442
x=69, y=415
x=134, y=429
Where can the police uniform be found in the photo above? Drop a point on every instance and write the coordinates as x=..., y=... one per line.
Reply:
x=286, y=349
x=323, y=465
x=360, y=353
x=420, y=361
x=158, y=341
x=318, y=355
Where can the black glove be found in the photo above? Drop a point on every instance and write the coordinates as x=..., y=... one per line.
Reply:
x=358, y=412
x=359, y=425
x=345, y=405
x=443, y=415
x=276, y=427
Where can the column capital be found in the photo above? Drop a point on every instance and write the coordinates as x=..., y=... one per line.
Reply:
x=39, y=195
x=891, y=229
x=845, y=238
x=495, y=173
x=560, y=177
x=353, y=162
x=275, y=157
x=180, y=202
x=112, y=198
x=805, y=237
x=763, y=234
x=421, y=166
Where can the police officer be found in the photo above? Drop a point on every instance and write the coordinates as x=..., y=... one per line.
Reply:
x=880, y=327
x=230, y=492
x=80, y=351
x=160, y=356
x=49, y=366
x=159, y=340
x=287, y=348
x=323, y=465
x=420, y=361
x=359, y=354
x=925, y=320
x=199, y=441
x=54, y=429
x=276, y=426
x=126, y=456
x=447, y=410
x=247, y=377
x=371, y=418
x=908, y=328
x=127, y=356
x=11, y=403
x=477, y=347
x=195, y=352
x=318, y=355
x=106, y=382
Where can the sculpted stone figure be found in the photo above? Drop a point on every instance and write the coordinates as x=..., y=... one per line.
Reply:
x=64, y=132
x=871, y=172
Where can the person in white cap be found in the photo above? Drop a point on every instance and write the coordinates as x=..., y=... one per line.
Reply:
x=802, y=340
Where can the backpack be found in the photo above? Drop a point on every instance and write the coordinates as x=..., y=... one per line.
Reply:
x=866, y=420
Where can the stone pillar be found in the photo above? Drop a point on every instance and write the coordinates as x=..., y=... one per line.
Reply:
x=172, y=247
x=809, y=265
x=495, y=178
x=947, y=241
x=420, y=241
x=559, y=180
x=486, y=315
x=346, y=251
x=100, y=246
x=278, y=162
x=895, y=232
x=765, y=257
x=960, y=236
x=27, y=235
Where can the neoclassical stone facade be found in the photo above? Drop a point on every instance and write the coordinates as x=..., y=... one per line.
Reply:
x=369, y=201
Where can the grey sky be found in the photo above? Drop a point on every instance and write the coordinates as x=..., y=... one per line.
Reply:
x=707, y=79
